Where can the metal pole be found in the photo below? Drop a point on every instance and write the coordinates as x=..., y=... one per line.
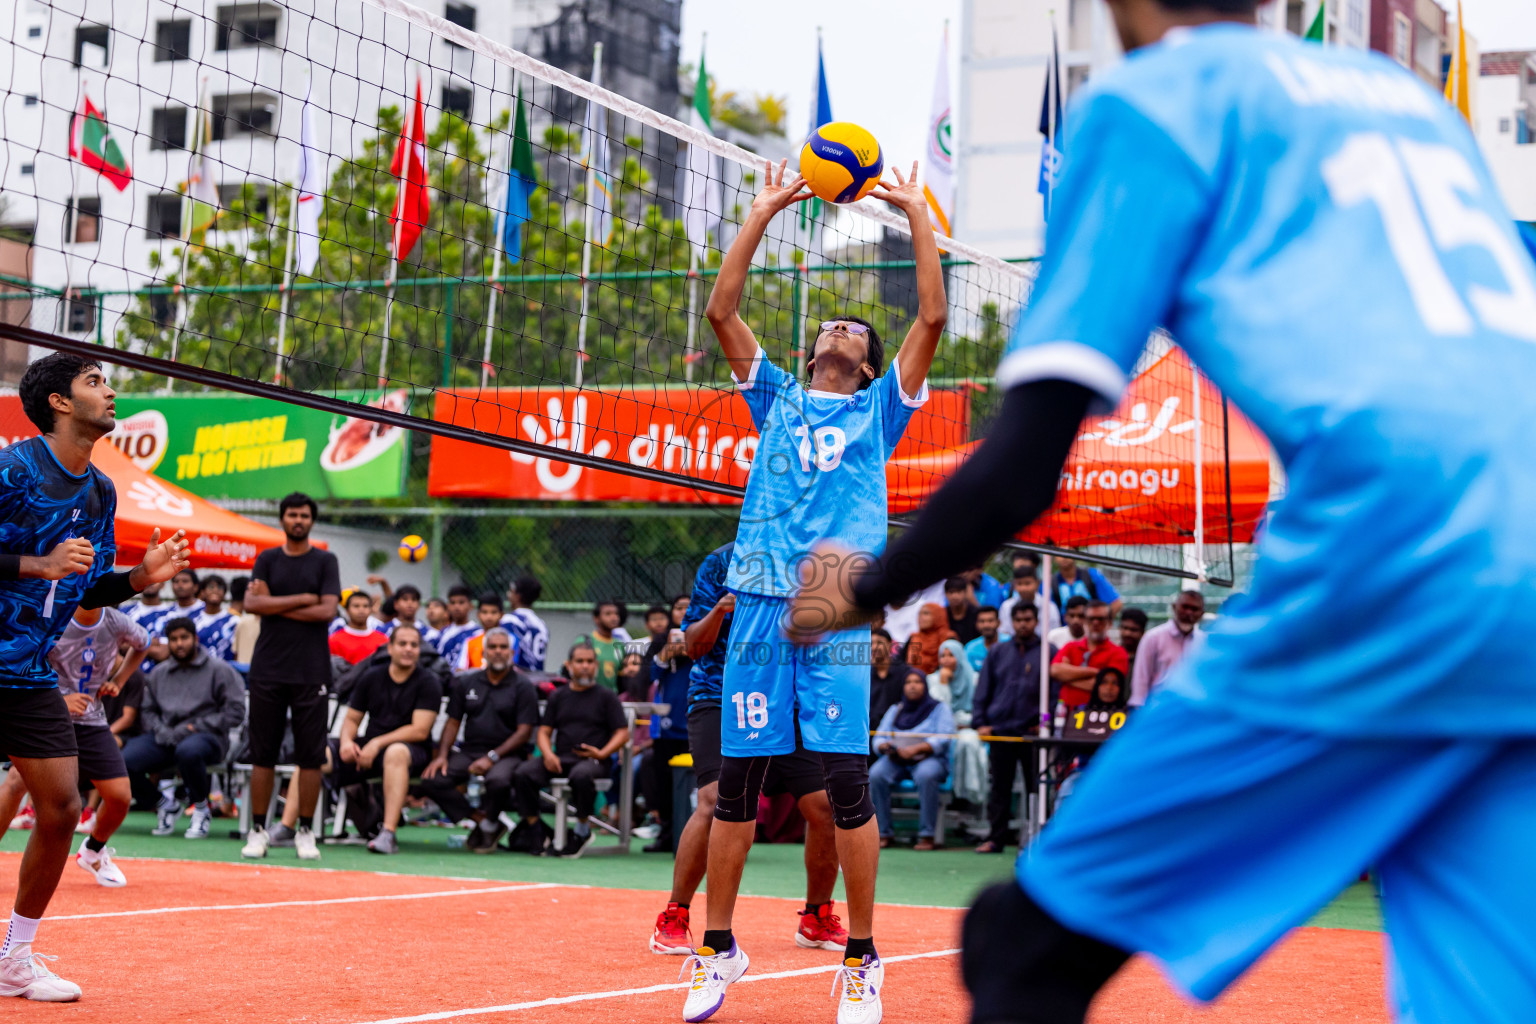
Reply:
x=1199, y=566
x=586, y=239
x=693, y=311
x=437, y=551
x=286, y=289
x=798, y=299
x=496, y=241
x=450, y=294
x=1048, y=587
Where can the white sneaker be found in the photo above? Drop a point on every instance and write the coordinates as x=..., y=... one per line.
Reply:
x=858, y=990
x=23, y=973
x=304, y=843
x=202, y=819
x=166, y=816
x=712, y=973
x=99, y=864
x=255, y=846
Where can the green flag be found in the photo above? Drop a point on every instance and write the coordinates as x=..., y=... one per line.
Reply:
x=1315, y=33
x=91, y=142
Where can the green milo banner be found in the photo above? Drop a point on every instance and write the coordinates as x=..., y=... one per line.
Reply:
x=233, y=446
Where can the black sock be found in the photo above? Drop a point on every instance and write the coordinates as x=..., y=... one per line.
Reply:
x=683, y=905
x=308, y=822
x=858, y=949
x=812, y=908
x=718, y=941
x=258, y=820
x=95, y=845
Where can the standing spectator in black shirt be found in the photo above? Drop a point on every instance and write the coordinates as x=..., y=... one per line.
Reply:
x=295, y=590
x=1133, y=626
x=962, y=608
x=1007, y=703
x=492, y=713
x=885, y=675
x=401, y=700
x=583, y=727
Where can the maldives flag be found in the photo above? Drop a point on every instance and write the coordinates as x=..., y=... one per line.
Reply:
x=91, y=142
x=412, y=205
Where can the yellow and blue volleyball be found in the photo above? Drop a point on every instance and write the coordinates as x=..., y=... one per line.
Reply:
x=841, y=162
x=413, y=548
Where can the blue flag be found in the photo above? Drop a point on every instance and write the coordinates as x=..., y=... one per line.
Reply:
x=1050, y=126
x=821, y=113
x=522, y=179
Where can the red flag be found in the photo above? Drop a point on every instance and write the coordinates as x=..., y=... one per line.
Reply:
x=408, y=215
x=91, y=142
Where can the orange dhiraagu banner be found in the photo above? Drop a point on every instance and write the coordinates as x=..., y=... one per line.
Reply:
x=699, y=432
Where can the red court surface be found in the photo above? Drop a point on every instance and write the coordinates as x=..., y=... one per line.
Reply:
x=209, y=942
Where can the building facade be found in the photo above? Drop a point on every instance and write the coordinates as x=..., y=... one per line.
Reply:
x=1505, y=122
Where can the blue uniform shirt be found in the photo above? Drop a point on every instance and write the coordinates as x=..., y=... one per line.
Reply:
x=708, y=588
x=819, y=471
x=41, y=505
x=1318, y=230
x=216, y=633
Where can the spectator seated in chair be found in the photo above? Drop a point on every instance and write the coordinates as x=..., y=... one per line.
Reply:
x=912, y=741
x=491, y=714
x=401, y=700
x=583, y=727
x=191, y=702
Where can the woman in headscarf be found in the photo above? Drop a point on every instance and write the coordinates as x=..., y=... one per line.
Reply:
x=912, y=741
x=1109, y=694
x=922, y=650
x=954, y=681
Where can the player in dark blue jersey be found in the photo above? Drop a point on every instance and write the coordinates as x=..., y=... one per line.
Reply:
x=56, y=554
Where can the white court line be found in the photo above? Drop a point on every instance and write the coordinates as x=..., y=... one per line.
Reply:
x=308, y=903
x=589, y=996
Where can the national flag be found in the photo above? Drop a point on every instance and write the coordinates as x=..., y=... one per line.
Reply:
x=1317, y=32
x=1050, y=126
x=408, y=213
x=939, y=177
x=522, y=179
x=311, y=194
x=201, y=191
x=91, y=142
x=821, y=113
x=594, y=157
x=703, y=199
x=1456, y=81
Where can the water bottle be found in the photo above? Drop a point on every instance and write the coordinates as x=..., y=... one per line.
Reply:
x=1060, y=721
x=474, y=790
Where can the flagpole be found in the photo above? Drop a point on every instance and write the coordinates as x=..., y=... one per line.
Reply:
x=72, y=228
x=190, y=206
x=496, y=240
x=693, y=310
x=586, y=242
x=286, y=288
x=1199, y=567
x=1053, y=88
x=394, y=260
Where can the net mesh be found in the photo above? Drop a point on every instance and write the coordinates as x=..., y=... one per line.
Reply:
x=239, y=181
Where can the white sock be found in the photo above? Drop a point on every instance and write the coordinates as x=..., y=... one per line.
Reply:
x=490, y=825
x=202, y=805
x=21, y=932
x=168, y=791
x=581, y=828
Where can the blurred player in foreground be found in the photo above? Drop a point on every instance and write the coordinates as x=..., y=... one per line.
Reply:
x=1318, y=230
x=57, y=549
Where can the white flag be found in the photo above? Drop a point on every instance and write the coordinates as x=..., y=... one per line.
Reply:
x=703, y=200
x=939, y=177
x=311, y=199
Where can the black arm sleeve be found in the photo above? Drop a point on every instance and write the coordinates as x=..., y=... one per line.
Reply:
x=10, y=567
x=1009, y=480
x=110, y=590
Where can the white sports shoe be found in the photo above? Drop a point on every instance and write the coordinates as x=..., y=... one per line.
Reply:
x=712, y=973
x=166, y=815
x=23, y=973
x=858, y=991
x=202, y=819
x=255, y=846
x=99, y=864
x=304, y=843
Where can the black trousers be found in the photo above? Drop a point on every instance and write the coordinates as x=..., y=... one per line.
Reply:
x=531, y=776
x=1004, y=759
x=656, y=780
x=444, y=790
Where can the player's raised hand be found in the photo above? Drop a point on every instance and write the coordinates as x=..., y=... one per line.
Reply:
x=824, y=603
x=68, y=557
x=776, y=195
x=906, y=194
x=162, y=561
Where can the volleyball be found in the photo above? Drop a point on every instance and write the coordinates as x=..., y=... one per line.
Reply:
x=841, y=162
x=413, y=548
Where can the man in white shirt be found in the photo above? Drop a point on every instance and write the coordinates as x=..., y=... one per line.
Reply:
x=1162, y=646
x=530, y=631
x=1026, y=587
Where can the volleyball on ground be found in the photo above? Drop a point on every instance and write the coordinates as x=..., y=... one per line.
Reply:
x=413, y=548
x=841, y=162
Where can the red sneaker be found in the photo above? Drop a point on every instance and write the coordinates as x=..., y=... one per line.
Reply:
x=25, y=818
x=87, y=822
x=821, y=929
x=672, y=934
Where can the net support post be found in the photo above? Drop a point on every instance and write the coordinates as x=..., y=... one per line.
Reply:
x=1047, y=582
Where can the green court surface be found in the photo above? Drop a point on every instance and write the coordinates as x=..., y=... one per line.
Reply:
x=942, y=878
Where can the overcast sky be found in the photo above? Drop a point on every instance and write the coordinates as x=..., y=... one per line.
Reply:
x=881, y=58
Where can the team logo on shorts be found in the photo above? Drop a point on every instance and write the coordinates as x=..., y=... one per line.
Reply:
x=833, y=711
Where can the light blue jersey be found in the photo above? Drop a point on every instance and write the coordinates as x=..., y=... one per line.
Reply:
x=1317, y=229
x=819, y=471
x=216, y=633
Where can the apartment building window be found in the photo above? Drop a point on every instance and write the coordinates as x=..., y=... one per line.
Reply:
x=164, y=216
x=30, y=101
x=82, y=219
x=256, y=203
x=35, y=32
x=26, y=170
x=91, y=42
x=1504, y=126
x=458, y=100
x=246, y=25
x=161, y=310
x=1426, y=47
x=1294, y=23
x=1402, y=37
x=173, y=40
x=78, y=315
x=168, y=128
x=1355, y=17
x=242, y=114
x=462, y=15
